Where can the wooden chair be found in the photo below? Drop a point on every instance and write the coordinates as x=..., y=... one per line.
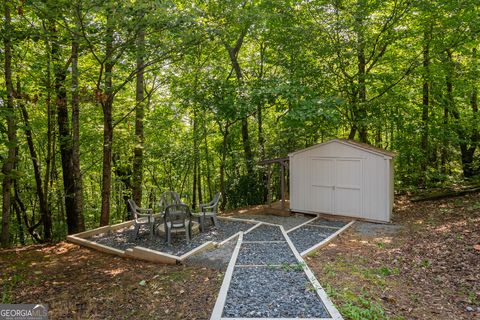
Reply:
x=177, y=218
x=209, y=210
x=142, y=216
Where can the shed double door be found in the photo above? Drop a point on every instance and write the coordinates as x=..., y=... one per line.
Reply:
x=335, y=185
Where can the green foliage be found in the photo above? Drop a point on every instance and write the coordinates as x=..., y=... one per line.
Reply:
x=356, y=306
x=302, y=83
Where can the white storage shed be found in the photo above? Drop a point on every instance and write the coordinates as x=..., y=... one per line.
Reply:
x=342, y=177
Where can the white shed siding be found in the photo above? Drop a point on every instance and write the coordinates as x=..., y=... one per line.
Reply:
x=342, y=179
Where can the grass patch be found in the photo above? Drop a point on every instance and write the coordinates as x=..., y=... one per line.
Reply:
x=356, y=306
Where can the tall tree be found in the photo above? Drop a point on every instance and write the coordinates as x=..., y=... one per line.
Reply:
x=106, y=101
x=8, y=164
x=77, y=171
x=44, y=212
x=139, y=115
x=65, y=139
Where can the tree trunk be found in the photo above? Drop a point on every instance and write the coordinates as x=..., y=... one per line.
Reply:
x=474, y=104
x=64, y=135
x=47, y=179
x=194, y=187
x=77, y=172
x=107, y=103
x=233, y=54
x=8, y=164
x=425, y=106
x=199, y=181
x=44, y=213
x=207, y=160
x=139, y=114
x=225, y=133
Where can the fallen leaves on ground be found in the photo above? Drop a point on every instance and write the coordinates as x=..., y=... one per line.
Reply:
x=79, y=283
x=428, y=270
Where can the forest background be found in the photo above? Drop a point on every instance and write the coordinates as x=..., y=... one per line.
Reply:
x=102, y=101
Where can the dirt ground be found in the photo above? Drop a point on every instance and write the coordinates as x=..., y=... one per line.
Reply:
x=79, y=283
x=426, y=265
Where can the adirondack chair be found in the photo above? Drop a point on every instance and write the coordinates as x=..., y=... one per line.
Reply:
x=177, y=218
x=141, y=216
x=209, y=210
x=168, y=198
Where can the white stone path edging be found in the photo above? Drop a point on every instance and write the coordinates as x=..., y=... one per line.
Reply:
x=222, y=295
x=325, y=241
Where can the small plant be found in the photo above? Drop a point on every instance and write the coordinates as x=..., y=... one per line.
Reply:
x=386, y=271
x=310, y=287
x=426, y=263
x=414, y=298
x=476, y=206
x=472, y=298
x=8, y=287
x=381, y=245
x=293, y=266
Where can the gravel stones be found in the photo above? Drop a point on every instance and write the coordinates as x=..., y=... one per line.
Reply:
x=264, y=233
x=265, y=254
x=307, y=236
x=272, y=293
x=288, y=222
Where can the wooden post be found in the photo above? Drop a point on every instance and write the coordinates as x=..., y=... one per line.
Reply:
x=269, y=195
x=282, y=180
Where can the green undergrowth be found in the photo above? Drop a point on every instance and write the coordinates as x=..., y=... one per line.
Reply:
x=354, y=304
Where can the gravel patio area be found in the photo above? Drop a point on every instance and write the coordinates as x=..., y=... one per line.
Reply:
x=122, y=239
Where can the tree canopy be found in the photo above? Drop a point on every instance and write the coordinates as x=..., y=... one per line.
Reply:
x=103, y=101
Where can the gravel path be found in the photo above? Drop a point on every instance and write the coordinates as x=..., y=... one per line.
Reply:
x=330, y=223
x=122, y=239
x=264, y=233
x=307, y=236
x=272, y=293
x=267, y=291
x=265, y=254
x=287, y=222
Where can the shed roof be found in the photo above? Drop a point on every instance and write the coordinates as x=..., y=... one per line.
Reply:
x=355, y=144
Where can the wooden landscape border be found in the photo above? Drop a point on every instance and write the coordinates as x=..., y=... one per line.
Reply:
x=222, y=294
x=327, y=240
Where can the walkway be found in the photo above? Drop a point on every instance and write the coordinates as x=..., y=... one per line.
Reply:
x=267, y=277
